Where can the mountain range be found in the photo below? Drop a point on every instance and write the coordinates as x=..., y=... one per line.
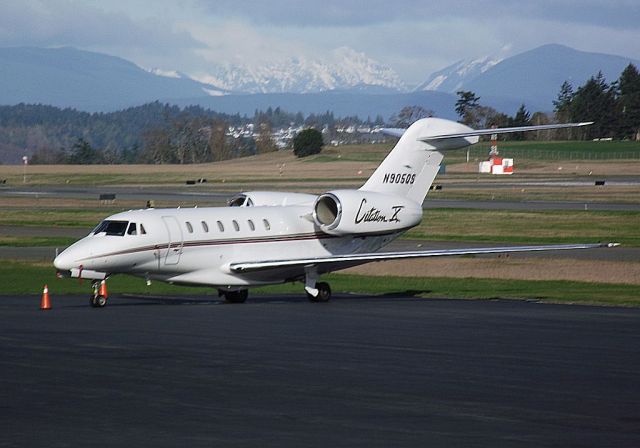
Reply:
x=344, y=69
x=346, y=82
x=534, y=77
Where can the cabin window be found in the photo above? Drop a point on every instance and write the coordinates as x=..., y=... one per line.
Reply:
x=251, y=225
x=142, y=230
x=132, y=230
x=205, y=227
x=236, y=225
x=189, y=227
x=221, y=226
x=111, y=228
x=267, y=226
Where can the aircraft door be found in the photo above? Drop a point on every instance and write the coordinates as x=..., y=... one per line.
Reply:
x=174, y=247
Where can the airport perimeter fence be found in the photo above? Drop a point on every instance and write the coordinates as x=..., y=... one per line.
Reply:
x=535, y=154
x=478, y=154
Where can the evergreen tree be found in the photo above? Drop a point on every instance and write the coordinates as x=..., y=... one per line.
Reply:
x=82, y=153
x=521, y=118
x=563, y=110
x=307, y=142
x=629, y=99
x=466, y=107
x=596, y=101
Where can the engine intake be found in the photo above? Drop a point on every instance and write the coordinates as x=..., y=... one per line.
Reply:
x=342, y=212
x=327, y=211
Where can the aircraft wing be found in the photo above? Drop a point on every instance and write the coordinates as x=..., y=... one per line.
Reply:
x=342, y=261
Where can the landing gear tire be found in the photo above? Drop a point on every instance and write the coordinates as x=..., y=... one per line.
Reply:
x=324, y=293
x=98, y=301
x=235, y=296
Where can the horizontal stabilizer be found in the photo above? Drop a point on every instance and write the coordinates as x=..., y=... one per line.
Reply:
x=393, y=132
x=338, y=261
x=478, y=132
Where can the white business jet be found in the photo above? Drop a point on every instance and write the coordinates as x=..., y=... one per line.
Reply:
x=275, y=237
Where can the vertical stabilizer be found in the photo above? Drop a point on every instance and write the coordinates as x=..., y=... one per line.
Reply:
x=412, y=165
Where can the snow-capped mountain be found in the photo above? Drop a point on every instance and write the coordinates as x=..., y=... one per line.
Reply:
x=533, y=77
x=452, y=78
x=343, y=69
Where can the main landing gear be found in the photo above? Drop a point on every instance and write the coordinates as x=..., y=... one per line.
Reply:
x=99, y=297
x=316, y=291
x=230, y=296
x=323, y=295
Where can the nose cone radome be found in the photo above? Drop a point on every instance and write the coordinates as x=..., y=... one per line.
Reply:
x=63, y=262
x=71, y=257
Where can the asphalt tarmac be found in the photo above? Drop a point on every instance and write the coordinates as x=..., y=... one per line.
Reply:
x=280, y=371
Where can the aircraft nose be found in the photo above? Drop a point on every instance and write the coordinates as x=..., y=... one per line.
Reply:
x=64, y=261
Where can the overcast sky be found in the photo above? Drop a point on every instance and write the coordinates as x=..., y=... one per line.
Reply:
x=413, y=37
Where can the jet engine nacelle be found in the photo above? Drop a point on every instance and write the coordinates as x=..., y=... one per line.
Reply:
x=270, y=198
x=341, y=212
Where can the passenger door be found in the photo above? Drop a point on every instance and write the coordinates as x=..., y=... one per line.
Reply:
x=174, y=247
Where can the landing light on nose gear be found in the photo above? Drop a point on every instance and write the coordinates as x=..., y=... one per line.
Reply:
x=99, y=297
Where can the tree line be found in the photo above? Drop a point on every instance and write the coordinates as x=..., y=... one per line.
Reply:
x=151, y=133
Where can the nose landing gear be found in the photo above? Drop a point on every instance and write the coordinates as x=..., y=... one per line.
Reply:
x=99, y=297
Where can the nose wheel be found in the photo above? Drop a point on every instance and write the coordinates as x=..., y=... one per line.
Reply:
x=99, y=296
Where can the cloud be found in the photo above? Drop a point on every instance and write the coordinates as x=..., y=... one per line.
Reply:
x=60, y=22
x=327, y=13
x=414, y=37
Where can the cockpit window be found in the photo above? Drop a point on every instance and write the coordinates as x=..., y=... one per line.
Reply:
x=113, y=228
x=132, y=230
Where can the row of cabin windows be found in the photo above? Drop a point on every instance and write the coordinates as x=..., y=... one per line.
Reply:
x=236, y=226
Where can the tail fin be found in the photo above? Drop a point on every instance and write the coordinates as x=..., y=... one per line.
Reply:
x=412, y=165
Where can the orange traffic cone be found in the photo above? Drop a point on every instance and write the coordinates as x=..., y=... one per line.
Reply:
x=103, y=289
x=45, y=303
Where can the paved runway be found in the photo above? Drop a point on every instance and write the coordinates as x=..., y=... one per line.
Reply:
x=279, y=371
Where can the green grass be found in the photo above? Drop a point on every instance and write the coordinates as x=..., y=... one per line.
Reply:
x=22, y=278
x=36, y=241
x=535, y=227
x=552, y=150
x=525, y=150
x=58, y=217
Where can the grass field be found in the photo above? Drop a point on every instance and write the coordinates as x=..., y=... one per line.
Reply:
x=536, y=227
x=35, y=241
x=523, y=151
x=29, y=278
x=349, y=164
